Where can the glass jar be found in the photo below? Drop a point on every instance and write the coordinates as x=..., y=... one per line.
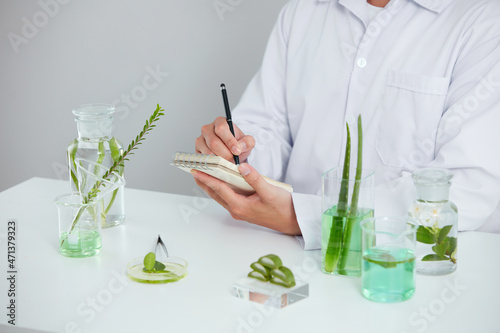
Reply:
x=96, y=144
x=438, y=222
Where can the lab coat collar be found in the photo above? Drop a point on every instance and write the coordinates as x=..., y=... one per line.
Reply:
x=433, y=5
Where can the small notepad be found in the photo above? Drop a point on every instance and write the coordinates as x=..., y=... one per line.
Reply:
x=220, y=168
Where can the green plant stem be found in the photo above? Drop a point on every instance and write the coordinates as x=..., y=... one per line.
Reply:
x=351, y=219
x=119, y=163
x=335, y=238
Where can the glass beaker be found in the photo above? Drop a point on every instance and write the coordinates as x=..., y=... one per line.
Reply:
x=79, y=226
x=388, y=270
x=345, y=202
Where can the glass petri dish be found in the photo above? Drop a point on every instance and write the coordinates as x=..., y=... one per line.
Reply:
x=175, y=269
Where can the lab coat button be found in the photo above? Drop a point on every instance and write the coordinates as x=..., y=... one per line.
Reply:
x=361, y=62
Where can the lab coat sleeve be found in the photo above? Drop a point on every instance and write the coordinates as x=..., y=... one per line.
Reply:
x=262, y=111
x=308, y=211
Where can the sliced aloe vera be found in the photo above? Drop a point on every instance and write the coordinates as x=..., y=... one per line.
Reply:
x=269, y=268
x=258, y=275
x=271, y=261
x=284, y=274
x=282, y=283
x=266, y=272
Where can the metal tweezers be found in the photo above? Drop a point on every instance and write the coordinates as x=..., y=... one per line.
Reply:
x=160, y=242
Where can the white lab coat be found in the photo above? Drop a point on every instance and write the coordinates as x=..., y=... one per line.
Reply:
x=424, y=75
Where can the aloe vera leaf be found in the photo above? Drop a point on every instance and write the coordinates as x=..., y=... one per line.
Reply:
x=359, y=171
x=344, y=187
x=351, y=219
x=336, y=230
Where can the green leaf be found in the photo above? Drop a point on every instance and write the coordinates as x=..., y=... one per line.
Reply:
x=443, y=233
x=115, y=150
x=158, y=266
x=433, y=257
x=344, y=186
x=440, y=249
x=382, y=258
x=332, y=254
x=149, y=261
x=426, y=235
x=453, y=245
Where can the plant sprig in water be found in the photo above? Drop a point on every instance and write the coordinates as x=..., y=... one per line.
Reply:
x=119, y=162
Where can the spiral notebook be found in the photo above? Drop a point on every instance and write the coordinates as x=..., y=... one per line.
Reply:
x=220, y=168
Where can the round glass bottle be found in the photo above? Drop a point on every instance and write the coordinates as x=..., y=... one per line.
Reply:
x=96, y=144
x=438, y=222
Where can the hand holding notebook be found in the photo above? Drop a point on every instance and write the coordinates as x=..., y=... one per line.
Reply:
x=220, y=168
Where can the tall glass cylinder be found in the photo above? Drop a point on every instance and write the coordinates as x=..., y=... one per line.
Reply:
x=437, y=217
x=95, y=143
x=345, y=203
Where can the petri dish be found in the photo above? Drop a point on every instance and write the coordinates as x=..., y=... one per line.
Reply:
x=175, y=269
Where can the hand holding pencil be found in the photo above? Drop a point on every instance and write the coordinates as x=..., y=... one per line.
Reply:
x=216, y=138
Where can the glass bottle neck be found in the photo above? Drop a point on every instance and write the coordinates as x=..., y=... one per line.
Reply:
x=433, y=193
x=94, y=130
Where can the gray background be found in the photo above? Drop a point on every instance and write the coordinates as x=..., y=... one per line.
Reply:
x=57, y=54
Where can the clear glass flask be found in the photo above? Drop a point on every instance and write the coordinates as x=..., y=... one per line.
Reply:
x=437, y=217
x=96, y=144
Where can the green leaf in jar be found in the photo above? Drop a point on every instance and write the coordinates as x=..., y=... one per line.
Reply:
x=443, y=233
x=453, y=245
x=433, y=257
x=426, y=235
x=441, y=249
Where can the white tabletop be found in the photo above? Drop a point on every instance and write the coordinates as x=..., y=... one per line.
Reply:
x=59, y=294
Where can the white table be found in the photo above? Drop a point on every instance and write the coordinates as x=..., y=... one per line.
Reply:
x=60, y=294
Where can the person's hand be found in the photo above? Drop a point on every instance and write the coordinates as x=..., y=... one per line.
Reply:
x=217, y=139
x=269, y=206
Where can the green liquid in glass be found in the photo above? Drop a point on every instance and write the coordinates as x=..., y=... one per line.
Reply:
x=350, y=266
x=80, y=243
x=388, y=274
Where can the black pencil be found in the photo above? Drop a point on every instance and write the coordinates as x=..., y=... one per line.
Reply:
x=228, y=117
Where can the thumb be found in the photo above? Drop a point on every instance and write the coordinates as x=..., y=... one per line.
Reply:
x=253, y=178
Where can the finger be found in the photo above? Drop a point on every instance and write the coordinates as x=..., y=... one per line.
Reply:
x=210, y=143
x=222, y=130
x=210, y=192
x=254, y=179
x=220, y=188
x=246, y=143
x=201, y=147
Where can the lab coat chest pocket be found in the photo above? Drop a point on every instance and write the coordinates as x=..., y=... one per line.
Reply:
x=408, y=118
